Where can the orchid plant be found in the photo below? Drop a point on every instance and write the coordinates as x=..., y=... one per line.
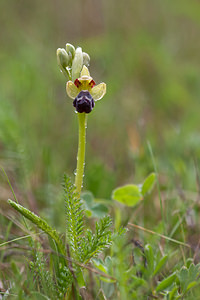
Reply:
x=80, y=246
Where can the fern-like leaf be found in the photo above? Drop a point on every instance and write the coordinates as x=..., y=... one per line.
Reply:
x=64, y=281
x=44, y=279
x=74, y=219
x=95, y=243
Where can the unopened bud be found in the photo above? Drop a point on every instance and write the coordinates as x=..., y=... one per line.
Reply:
x=63, y=61
x=70, y=50
x=77, y=63
x=62, y=57
x=86, y=59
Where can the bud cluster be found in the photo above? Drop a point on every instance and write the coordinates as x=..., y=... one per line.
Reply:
x=80, y=86
x=71, y=61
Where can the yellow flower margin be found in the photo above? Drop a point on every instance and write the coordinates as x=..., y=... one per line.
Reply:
x=85, y=83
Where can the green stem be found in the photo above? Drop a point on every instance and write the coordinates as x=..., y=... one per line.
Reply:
x=82, y=119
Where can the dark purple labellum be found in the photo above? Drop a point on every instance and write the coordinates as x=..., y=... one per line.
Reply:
x=84, y=102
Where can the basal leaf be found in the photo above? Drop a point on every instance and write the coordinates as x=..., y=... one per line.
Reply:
x=99, y=265
x=99, y=210
x=128, y=194
x=93, y=208
x=188, y=276
x=160, y=264
x=191, y=285
x=88, y=198
x=148, y=183
x=166, y=283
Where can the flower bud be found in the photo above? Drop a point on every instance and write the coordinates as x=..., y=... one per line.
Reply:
x=86, y=59
x=62, y=57
x=77, y=63
x=70, y=50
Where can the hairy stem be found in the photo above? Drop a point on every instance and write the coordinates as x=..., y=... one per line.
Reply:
x=82, y=119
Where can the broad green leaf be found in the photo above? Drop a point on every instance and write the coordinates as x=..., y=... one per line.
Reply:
x=108, y=261
x=99, y=265
x=166, y=283
x=160, y=264
x=189, y=261
x=99, y=210
x=128, y=194
x=148, y=183
x=183, y=277
x=188, y=276
x=88, y=199
x=109, y=289
x=193, y=271
x=92, y=207
x=191, y=285
x=173, y=293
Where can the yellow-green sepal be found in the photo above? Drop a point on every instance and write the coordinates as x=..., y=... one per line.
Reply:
x=85, y=72
x=72, y=90
x=98, y=91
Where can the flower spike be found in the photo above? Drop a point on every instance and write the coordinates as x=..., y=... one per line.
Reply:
x=81, y=87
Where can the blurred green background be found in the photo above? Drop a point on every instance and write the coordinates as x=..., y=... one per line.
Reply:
x=148, y=53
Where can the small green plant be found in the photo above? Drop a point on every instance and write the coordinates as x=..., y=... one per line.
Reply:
x=131, y=194
x=69, y=255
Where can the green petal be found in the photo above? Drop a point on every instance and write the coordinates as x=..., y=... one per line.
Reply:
x=85, y=71
x=98, y=91
x=72, y=90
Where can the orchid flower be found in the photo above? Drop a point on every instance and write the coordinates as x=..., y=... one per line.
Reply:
x=85, y=92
